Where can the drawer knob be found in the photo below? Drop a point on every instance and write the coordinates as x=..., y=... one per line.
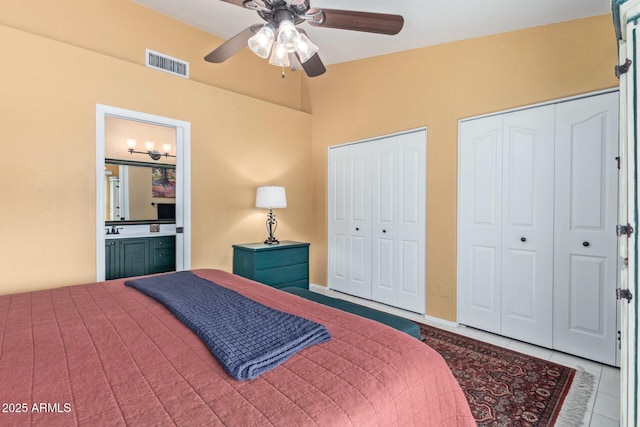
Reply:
x=585, y=244
x=523, y=239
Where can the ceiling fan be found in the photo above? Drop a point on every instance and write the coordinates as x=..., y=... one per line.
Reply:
x=288, y=46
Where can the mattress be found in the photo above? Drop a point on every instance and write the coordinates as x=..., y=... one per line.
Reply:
x=106, y=354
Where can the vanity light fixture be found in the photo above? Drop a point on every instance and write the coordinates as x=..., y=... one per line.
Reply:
x=151, y=151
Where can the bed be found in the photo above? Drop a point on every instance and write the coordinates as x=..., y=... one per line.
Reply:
x=106, y=354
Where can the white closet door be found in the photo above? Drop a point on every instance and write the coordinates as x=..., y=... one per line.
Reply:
x=350, y=220
x=411, y=221
x=338, y=221
x=527, y=225
x=480, y=223
x=384, y=222
x=585, y=220
x=398, y=222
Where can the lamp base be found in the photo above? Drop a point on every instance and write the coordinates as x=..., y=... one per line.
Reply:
x=271, y=224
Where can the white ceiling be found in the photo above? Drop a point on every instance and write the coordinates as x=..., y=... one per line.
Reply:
x=427, y=22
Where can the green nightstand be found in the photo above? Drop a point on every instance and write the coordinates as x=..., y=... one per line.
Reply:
x=286, y=264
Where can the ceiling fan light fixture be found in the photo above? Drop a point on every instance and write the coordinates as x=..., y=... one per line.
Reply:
x=279, y=56
x=288, y=35
x=262, y=41
x=305, y=48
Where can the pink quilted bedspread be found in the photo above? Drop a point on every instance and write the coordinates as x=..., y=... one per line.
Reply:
x=105, y=354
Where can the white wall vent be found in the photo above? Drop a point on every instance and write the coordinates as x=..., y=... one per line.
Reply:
x=166, y=63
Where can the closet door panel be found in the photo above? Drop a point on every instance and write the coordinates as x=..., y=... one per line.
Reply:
x=384, y=222
x=338, y=224
x=411, y=220
x=480, y=223
x=484, y=295
x=585, y=219
x=349, y=260
x=527, y=232
x=360, y=221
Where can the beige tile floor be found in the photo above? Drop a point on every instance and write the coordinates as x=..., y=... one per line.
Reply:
x=603, y=409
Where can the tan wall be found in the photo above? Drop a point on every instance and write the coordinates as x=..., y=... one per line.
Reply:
x=123, y=29
x=48, y=111
x=435, y=87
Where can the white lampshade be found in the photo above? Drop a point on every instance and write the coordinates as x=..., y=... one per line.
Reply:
x=166, y=148
x=271, y=197
x=149, y=145
x=131, y=143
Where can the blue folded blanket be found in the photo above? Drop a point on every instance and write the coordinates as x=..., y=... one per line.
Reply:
x=246, y=337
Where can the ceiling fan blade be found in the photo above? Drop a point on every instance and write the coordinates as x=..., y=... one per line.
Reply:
x=314, y=66
x=381, y=23
x=236, y=2
x=232, y=46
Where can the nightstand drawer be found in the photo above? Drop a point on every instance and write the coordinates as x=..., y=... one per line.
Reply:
x=280, y=275
x=286, y=264
x=280, y=258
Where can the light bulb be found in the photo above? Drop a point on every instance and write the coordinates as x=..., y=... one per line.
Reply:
x=279, y=56
x=305, y=48
x=288, y=36
x=149, y=145
x=166, y=148
x=131, y=143
x=262, y=41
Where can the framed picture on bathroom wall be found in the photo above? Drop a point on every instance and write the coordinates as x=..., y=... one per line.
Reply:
x=163, y=182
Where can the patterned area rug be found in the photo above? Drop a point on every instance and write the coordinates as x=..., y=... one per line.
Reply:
x=506, y=388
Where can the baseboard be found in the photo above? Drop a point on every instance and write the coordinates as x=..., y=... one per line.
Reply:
x=440, y=321
x=428, y=319
x=313, y=286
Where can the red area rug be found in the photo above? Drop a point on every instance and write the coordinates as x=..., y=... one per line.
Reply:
x=506, y=388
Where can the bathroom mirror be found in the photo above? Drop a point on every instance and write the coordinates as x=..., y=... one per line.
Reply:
x=139, y=162
x=138, y=192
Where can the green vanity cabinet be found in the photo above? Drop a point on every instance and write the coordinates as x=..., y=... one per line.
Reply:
x=286, y=264
x=112, y=262
x=139, y=256
x=133, y=257
x=163, y=254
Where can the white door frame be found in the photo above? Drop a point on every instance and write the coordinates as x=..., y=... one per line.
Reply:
x=183, y=181
x=628, y=14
